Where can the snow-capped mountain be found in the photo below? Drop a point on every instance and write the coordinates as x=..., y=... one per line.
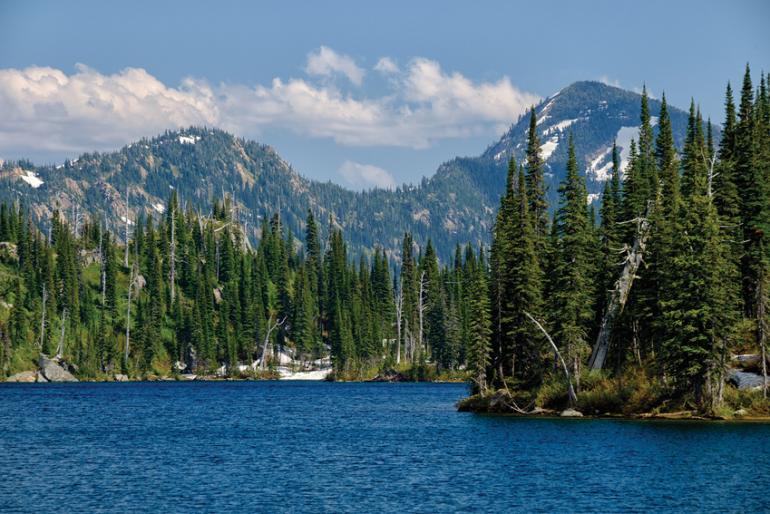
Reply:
x=455, y=206
x=596, y=114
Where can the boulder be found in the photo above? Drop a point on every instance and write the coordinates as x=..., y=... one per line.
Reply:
x=740, y=413
x=40, y=378
x=748, y=362
x=120, y=377
x=744, y=379
x=26, y=377
x=571, y=413
x=53, y=371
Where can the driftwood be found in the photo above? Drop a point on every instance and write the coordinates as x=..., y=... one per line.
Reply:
x=619, y=295
x=571, y=391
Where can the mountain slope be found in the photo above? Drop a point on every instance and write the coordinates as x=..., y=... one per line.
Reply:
x=595, y=113
x=455, y=206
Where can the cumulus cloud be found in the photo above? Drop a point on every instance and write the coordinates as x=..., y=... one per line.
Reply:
x=386, y=66
x=326, y=62
x=366, y=176
x=46, y=110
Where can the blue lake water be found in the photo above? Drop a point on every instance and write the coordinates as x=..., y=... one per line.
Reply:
x=313, y=447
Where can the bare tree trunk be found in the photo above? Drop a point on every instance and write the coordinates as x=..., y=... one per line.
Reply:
x=172, y=257
x=619, y=295
x=271, y=325
x=571, y=390
x=399, y=310
x=762, y=326
x=132, y=279
x=42, y=318
x=103, y=262
x=420, y=310
x=125, y=258
x=60, y=346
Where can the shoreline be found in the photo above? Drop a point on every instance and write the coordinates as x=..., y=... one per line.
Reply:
x=648, y=417
x=501, y=403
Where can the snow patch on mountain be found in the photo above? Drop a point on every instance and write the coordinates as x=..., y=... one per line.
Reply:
x=623, y=140
x=600, y=172
x=559, y=127
x=592, y=197
x=33, y=180
x=189, y=140
x=547, y=148
x=159, y=207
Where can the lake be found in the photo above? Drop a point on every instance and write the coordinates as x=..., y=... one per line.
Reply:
x=364, y=447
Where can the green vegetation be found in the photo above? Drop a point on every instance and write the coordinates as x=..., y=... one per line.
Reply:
x=648, y=308
x=188, y=294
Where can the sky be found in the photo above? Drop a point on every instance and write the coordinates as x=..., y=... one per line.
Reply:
x=363, y=94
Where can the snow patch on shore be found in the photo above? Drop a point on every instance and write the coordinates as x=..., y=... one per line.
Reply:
x=319, y=374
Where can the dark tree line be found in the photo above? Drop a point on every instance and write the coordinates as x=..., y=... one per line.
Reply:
x=189, y=293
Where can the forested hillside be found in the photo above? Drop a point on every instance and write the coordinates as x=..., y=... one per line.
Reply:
x=455, y=205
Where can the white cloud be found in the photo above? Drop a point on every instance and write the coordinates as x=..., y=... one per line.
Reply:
x=366, y=176
x=604, y=79
x=326, y=62
x=44, y=108
x=386, y=66
x=47, y=111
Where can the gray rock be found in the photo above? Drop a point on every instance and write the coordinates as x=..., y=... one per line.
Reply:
x=120, y=377
x=740, y=413
x=23, y=377
x=53, y=371
x=40, y=378
x=749, y=362
x=571, y=413
x=744, y=379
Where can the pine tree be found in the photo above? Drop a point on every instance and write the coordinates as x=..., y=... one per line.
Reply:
x=693, y=297
x=536, y=192
x=480, y=330
x=573, y=292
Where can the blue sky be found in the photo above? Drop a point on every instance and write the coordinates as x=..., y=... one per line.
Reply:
x=354, y=92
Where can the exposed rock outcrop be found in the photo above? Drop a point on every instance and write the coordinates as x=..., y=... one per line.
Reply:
x=744, y=379
x=26, y=377
x=54, y=371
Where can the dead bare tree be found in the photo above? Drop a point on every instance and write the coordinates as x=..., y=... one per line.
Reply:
x=421, y=310
x=710, y=163
x=619, y=295
x=133, y=280
x=125, y=258
x=60, y=346
x=762, y=325
x=571, y=390
x=42, y=318
x=172, y=254
x=272, y=324
x=399, y=312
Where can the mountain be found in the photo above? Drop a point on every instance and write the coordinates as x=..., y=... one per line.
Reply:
x=454, y=206
x=595, y=113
